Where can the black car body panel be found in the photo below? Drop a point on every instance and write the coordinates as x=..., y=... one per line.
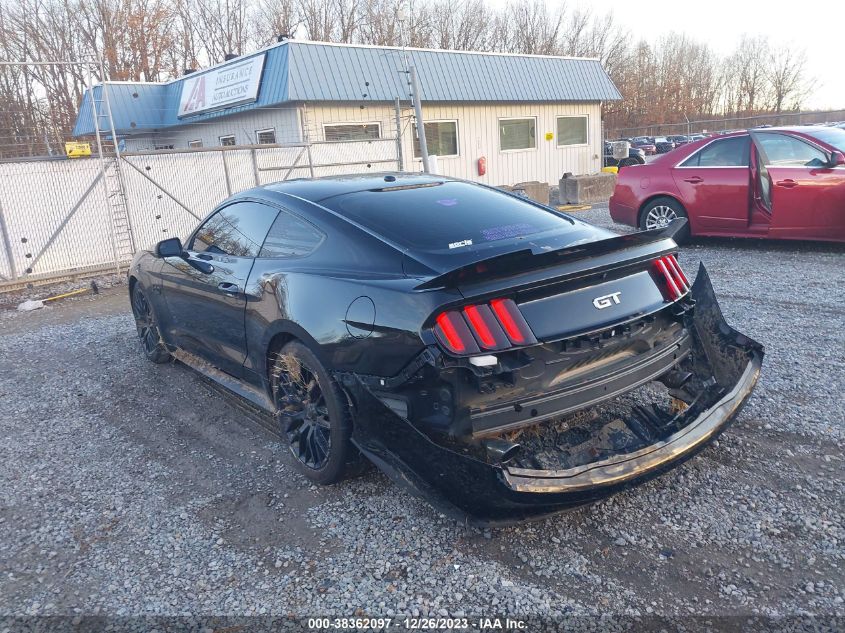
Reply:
x=367, y=297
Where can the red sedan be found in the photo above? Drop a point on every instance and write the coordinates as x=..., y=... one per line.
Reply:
x=786, y=183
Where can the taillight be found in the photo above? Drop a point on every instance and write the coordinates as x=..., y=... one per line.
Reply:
x=454, y=333
x=670, y=272
x=511, y=319
x=492, y=326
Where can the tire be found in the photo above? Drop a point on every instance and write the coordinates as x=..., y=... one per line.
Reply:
x=154, y=348
x=659, y=212
x=313, y=415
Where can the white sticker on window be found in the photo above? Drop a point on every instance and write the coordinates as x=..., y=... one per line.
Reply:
x=461, y=243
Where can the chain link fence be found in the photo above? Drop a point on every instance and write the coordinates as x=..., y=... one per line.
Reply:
x=725, y=124
x=65, y=217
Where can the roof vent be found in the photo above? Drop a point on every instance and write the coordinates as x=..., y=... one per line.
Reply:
x=229, y=57
x=282, y=37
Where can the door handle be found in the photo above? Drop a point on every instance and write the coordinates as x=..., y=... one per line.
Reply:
x=694, y=179
x=231, y=288
x=788, y=183
x=204, y=256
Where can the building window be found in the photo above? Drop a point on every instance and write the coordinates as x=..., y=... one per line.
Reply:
x=266, y=137
x=195, y=144
x=227, y=141
x=441, y=138
x=572, y=130
x=517, y=134
x=352, y=131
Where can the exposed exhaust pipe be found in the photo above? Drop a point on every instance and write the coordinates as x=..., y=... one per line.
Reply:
x=500, y=451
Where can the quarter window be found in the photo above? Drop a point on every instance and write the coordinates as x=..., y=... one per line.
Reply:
x=441, y=138
x=238, y=229
x=517, y=134
x=352, y=131
x=227, y=141
x=266, y=137
x=571, y=130
x=787, y=151
x=729, y=152
x=291, y=237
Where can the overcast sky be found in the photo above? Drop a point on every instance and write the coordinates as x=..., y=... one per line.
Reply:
x=818, y=27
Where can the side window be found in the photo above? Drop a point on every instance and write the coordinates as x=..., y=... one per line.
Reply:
x=291, y=237
x=729, y=152
x=783, y=150
x=238, y=229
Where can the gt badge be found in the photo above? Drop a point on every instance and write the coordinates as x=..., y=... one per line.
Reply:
x=607, y=300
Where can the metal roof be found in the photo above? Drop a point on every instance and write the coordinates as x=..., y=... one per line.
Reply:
x=298, y=71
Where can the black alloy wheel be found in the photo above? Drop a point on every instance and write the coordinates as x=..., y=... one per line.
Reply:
x=154, y=348
x=307, y=424
x=313, y=415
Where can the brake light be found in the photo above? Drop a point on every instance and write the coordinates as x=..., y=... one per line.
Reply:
x=670, y=272
x=491, y=327
x=447, y=326
x=511, y=319
x=485, y=337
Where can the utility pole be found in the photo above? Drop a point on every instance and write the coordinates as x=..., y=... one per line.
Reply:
x=415, y=87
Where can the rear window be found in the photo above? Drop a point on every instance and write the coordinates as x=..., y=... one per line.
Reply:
x=449, y=216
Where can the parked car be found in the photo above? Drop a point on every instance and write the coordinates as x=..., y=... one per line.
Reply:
x=645, y=144
x=679, y=139
x=663, y=144
x=786, y=183
x=416, y=320
x=636, y=156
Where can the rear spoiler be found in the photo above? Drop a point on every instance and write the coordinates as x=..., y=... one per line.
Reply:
x=602, y=253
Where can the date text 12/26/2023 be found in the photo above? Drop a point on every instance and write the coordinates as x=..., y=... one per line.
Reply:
x=415, y=623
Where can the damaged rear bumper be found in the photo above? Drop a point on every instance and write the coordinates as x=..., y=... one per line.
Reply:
x=470, y=485
x=657, y=457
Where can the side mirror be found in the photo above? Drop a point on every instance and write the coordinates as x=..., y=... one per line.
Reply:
x=837, y=159
x=171, y=247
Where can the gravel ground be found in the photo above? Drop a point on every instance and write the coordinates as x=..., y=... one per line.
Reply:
x=128, y=488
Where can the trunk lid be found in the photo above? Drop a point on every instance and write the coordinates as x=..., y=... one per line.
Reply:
x=573, y=290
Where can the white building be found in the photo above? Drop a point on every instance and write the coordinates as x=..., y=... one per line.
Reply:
x=491, y=117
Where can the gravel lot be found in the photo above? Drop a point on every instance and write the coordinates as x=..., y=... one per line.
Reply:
x=128, y=488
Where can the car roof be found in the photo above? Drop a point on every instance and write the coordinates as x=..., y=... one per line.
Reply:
x=316, y=189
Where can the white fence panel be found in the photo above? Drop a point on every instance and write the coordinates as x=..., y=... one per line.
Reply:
x=168, y=194
x=57, y=216
x=59, y=219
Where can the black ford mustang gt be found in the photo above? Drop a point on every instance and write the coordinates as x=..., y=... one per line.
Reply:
x=491, y=354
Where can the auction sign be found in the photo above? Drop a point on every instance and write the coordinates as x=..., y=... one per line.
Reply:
x=222, y=87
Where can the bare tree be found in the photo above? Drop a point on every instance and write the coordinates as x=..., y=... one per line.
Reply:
x=536, y=30
x=746, y=74
x=787, y=76
x=465, y=25
x=318, y=18
x=273, y=18
x=348, y=14
x=221, y=27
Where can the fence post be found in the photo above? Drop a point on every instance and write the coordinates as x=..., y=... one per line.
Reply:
x=398, y=113
x=310, y=159
x=255, y=167
x=7, y=244
x=226, y=173
x=415, y=86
